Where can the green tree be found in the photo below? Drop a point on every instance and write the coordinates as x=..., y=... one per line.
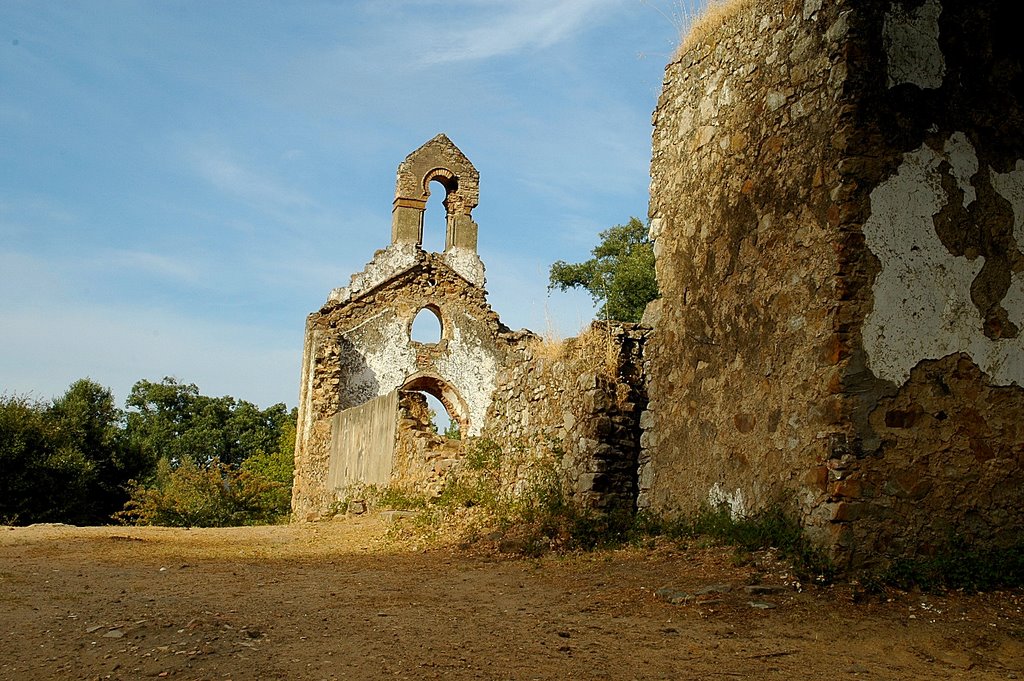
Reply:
x=173, y=421
x=620, y=276
x=453, y=432
x=65, y=461
x=221, y=461
x=276, y=468
x=34, y=472
x=88, y=422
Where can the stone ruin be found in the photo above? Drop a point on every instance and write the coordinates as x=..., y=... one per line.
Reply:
x=363, y=418
x=837, y=201
x=837, y=205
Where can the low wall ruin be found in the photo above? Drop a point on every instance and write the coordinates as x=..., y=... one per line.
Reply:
x=576, y=404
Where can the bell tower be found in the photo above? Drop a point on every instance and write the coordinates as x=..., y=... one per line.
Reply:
x=439, y=160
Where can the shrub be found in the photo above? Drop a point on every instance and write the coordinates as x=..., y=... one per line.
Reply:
x=957, y=564
x=212, y=495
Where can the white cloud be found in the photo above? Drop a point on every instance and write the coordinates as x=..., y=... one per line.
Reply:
x=151, y=263
x=229, y=175
x=518, y=26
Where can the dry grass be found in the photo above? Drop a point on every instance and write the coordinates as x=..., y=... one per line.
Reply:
x=548, y=347
x=713, y=15
x=598, y=344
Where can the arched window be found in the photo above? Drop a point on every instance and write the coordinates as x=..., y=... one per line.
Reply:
x=426, y=326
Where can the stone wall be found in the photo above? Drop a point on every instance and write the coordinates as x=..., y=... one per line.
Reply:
x=837, y=208
x=422, y=458
x=577, y=404
x=744, y=165
x=931, y=223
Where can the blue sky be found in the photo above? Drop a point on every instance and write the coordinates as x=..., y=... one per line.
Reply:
x=181, y=183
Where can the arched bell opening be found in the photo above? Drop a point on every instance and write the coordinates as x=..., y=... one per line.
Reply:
x=436, y=218
x=438, y=161
x=455, y=411
x=439, y=216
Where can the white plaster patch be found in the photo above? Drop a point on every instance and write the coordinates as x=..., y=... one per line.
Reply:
x=773, y=100
x=811, y=8
x=472, y=371
x=467, y=264
x=655, y=228
x=922, y=301
x=912, y=46
x=1011, y=187
x=717, y=496
x=960, y=153
x=386, y=263
x=392, y=361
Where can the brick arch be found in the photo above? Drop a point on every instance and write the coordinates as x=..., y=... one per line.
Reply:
x=448, y=179
x=452, y=202
x=444, y=391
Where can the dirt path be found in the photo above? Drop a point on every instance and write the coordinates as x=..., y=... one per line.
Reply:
x=331, y=601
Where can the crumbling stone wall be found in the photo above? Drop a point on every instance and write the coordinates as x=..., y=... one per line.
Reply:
x=361, y=348
x=933, y=271
x=743, y=169
x=577, y=404
x=838, y=214
x=423, y=458
x=358, y=346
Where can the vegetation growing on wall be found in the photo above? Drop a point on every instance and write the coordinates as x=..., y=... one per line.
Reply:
x=478, y=505
x=707, y=17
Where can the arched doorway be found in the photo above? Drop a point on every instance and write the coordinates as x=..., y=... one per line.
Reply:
x=440, y=390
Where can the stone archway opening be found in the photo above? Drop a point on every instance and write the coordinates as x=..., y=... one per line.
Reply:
x=439, y=216
x=442, y=422
x=449, y=408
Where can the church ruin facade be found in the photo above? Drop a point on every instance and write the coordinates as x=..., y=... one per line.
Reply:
x=362, y=415
x=359, y=354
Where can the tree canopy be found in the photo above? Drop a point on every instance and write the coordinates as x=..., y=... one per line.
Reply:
x=67, y=461
x=174, y=455
x=171, y=420
x=620, y=276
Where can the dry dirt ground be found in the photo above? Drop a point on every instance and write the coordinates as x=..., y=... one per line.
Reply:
x=336, y=601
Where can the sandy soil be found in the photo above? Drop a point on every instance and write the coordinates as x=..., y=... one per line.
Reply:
x=335, y=601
